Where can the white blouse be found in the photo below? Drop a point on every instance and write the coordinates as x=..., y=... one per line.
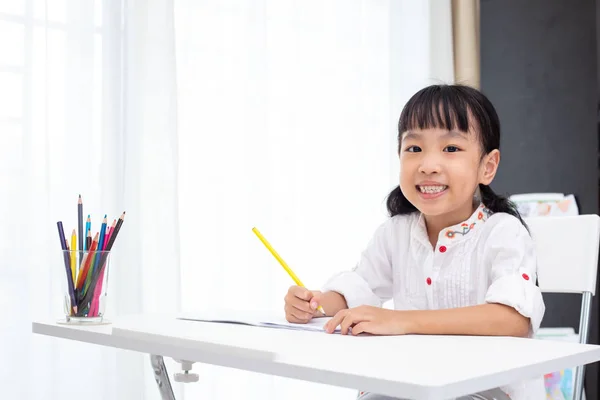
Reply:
x=486, y=259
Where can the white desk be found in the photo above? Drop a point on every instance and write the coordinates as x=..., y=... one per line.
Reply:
x=416, y=367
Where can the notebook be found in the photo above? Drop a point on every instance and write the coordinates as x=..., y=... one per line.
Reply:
x=254, y=319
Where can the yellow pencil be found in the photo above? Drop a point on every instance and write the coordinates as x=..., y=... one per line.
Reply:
x=283, y=263
x=73, y=254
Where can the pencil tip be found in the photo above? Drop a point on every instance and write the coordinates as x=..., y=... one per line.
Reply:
x=104, y=215
x=79, y=196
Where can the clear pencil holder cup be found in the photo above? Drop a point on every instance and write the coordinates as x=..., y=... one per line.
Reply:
x=85, y=285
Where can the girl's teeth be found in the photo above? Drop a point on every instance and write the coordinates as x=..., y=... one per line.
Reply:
x=432, y=189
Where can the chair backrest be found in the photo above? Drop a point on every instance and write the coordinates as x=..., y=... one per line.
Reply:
x=567, y=252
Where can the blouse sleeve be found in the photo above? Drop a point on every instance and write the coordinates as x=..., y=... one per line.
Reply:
x=370, y=282
x=511, y=253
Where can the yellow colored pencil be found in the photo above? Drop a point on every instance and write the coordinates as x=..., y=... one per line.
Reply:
x=73, y=254
x=281, y=261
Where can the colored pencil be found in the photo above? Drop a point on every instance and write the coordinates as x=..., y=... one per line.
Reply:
x=63, y=246
x=106, y=236
x=88, y=226
x=73, y=253
x=97, y=293
x=98, y=289
x=115, y=232
x=86, y=266
x=101, y=241
x=88, y=279
x=281, y=261
x=96, y=273
x=109, y=232
x=80, y=227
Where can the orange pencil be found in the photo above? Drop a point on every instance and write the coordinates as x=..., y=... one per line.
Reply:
x=86, y=267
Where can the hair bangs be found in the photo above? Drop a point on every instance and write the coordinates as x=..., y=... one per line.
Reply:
x=436, y=107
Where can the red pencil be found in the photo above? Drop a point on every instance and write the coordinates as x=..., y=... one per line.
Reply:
x=109, y=232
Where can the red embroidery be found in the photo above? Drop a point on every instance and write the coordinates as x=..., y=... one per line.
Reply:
x=429, y=281
x=526, y=277
x=443, y=249
x=469, y=225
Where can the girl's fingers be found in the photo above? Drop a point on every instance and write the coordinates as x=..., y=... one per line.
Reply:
x=294, y=315
x=298, y=302
x=360, y=328
x=335, y=321
x=301, y=305
x=347, y=323
x=300, y=292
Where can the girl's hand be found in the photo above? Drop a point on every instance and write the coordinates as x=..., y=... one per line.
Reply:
x=369, y=319
x=301, y=304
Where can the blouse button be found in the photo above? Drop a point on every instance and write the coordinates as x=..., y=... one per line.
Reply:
x=429, y=281
x=526, y=277
x=443, y=249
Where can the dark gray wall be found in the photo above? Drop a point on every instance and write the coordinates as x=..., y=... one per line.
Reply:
x=538, y=67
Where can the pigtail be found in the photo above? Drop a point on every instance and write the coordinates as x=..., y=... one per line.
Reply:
x=496, y=203
x=398, y=204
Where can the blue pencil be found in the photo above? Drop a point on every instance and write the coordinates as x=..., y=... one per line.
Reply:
x=88, y=226
x=100, y=242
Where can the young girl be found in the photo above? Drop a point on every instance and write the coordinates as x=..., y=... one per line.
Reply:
x=456, y=258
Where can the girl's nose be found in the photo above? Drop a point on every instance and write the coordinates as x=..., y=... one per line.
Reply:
x=429, y=165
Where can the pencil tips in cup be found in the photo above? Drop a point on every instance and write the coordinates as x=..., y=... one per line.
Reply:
x=89, y=288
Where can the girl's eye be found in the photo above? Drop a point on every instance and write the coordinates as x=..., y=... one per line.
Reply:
x=413, y=149
x=451, y=149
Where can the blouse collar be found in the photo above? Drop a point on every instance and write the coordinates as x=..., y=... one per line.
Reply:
x=455, y=233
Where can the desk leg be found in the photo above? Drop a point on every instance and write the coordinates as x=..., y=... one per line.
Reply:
x=162, y=378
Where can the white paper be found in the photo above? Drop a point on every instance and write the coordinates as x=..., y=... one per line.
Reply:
x=254, y=319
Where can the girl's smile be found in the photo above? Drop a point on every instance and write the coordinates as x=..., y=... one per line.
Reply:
x=430, y=190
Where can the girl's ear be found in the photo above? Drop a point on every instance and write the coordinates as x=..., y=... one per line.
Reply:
x=489, y=166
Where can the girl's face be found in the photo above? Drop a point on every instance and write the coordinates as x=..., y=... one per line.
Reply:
x=440, y=171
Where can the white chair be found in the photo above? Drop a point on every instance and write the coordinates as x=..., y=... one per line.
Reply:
x=567, y=254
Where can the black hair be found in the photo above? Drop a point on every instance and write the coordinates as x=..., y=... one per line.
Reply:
x=452, y=107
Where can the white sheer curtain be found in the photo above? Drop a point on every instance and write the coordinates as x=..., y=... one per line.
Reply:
x=87, y=107
x=287, y=117
x=283, y=118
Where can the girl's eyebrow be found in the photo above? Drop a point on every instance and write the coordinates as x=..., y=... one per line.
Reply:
x=410, y=135
x=454, y=135
x=448, y=135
